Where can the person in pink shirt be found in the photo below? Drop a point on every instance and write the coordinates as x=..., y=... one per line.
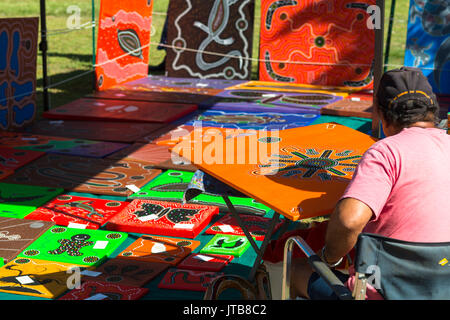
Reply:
x=400, y=188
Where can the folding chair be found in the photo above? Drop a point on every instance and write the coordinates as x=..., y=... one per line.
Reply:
x=399, y=270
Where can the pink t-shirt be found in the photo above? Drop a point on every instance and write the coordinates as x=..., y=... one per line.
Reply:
x=405, y=180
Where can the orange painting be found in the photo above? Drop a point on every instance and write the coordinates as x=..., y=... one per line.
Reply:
x=299, y=173
x=123, y=42
x=159, y=249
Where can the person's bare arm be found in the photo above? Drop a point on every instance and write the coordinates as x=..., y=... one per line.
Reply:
x=348, y=219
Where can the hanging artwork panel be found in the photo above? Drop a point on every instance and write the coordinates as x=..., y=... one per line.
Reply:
x=123, y=41
x=316, y=42
x=428, y=42
x=210, y=39
x=18, y=56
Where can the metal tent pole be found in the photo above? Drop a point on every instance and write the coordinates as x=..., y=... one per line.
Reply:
x=43, y=48
x=388, y=38
x=93, y=45
x=378, y=65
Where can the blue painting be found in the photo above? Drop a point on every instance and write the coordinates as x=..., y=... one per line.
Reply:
x=253, y=120
x=18, y=54
x=428, y=41
x=270, y=101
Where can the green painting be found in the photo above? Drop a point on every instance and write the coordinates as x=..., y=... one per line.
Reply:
x=17, y=201
x=78, y=246
x=170, y=186
x=227, y=244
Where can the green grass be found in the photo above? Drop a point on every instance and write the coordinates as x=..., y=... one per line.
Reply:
x=70, y=54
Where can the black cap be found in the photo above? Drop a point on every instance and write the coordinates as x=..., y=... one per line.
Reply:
x=407, y=83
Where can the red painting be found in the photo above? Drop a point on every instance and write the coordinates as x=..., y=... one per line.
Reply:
x=326, y=43
x=120, y=110
x=123, y=41
x=257, y=226
x=113, y=131
x=155, y=96
x=78, y=212
x=159, y=249
x=95, y=290
x=163, y=218
x=205, y=262
x=12, y=159
x=5, y=173
x=193, y=280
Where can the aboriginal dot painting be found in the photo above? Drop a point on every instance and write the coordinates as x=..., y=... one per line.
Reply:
x=127, y=272
x=289, y=87
x=428, y=41
x=59, y=145
x=101, y=131
x=82, y=212
x=253, y=120
x=77, y=246
x=18, y=54
x=310, y=166
x=95, y=290
x=159, y=249
x=163, y=218
x=89, y=175
x=158, y=156
x=350, y=107
x=123, y=41
x=205, y=262
x=5, y=173
x=270, y=101
x=17, y=234
x=256, y=226
x=17, y=200
x=210, y=40
x=34, y=277
x=186, y=85
x=120, y=110
x=12, y=159
x=317, y=42
x=171, y=184
x=124, y=93
x=227, y=244
x=182, y=279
